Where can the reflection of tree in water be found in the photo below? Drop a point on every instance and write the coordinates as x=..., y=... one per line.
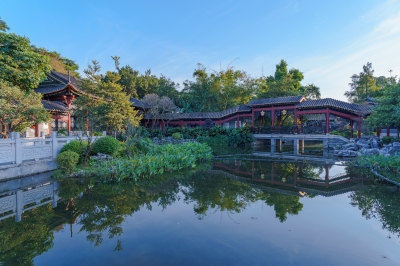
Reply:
x=21, y=242
x=100, y=209
x=212, y=191
x=380, y=203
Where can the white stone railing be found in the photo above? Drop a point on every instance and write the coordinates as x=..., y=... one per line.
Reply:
x=17, y=150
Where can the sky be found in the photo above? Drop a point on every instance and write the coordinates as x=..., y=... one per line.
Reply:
x=328, y=41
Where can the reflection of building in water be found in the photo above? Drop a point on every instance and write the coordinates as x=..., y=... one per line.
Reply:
x=295, y=177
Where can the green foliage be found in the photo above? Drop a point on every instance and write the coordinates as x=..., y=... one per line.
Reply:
x=111, y=108
x=389, y=166
x=3, y=25
x=106, y=145
x=78, y=146
x=363, y=86
x=67, y=161
x=62, y=132
x=164, y=158
x=20, y=65
x=345, y=133
x=240, y=137
x=176, y=136
x=215, y=136
x=388, y=139
x=387, y=111
x=214, y=141
x=20, y=109
x=285, y=83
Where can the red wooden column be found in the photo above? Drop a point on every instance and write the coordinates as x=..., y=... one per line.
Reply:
x=327, y=121
x=272, y=117
x=252, y=118
x=359, y=128
x=36, y=130
x=295, y=121
x=301, y=123
x=351, y=129
x=49, y=128
x=388, y=131
x=378, y=132
x=237, y=122
x=69, y=122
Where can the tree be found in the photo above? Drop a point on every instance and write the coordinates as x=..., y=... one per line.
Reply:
x=285, y=83
x=3, y=25
x=119, y=113
x=159, y=106
x=20, y=109
x=363, y=86
x=387, y=112
x=20, y=65
x=217, y=91
x=104, y=103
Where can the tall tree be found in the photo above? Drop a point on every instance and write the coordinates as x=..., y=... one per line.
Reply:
x=285, y=83
x=20, y=109
x=20, y=65
x=104, y=104
x=216, y=91
x=363, y=86
x=3, y=25
x=387, y=112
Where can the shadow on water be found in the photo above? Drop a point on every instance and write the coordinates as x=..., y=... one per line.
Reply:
x=231, y=186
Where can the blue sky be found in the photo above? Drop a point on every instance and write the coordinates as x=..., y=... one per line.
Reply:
x=327, y=40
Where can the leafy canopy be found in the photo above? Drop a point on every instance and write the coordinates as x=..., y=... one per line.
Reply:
x=20, y=109
x=20, y=65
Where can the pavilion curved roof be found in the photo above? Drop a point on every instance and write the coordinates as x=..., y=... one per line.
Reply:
x=362, y=109
x=57, y=82
x=278, y=100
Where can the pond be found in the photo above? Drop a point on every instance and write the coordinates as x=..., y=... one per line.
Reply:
x=234, y=211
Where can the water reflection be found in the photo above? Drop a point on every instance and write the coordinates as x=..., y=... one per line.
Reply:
x=227, y=185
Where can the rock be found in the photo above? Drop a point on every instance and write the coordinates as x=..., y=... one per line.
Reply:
x=350, y=146
x=374, y=144
x=369, y=151
x=347, y=153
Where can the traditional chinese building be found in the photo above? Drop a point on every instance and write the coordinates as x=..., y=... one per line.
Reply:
x=292, y=114
x=59, y=92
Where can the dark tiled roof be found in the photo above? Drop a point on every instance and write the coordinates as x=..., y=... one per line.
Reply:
x=328, y=102
x=138, y=104
x=205, y=115
x=54, y=106
x=278, y=100
x=55, y=82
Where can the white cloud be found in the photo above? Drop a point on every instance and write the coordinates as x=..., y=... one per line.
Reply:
x=381, y=46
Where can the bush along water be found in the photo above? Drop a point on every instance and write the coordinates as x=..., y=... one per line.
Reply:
x=67, y=161
x=388, y=166
x=215, y=136
x=163, y=158
x=106, y=145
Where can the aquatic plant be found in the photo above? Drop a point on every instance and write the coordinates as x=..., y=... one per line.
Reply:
x=164, y=158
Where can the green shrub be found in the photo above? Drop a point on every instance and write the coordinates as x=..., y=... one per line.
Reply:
x=387, y=139
x=176, y=136
x=67, y=161
x=164, y=158
x=106, y=145
x=62, y=132
x=240, y=137
x=216, y=141
x=98, y=134
x=78, y=146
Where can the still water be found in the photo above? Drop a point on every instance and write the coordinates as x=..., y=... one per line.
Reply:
x=229, y=212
